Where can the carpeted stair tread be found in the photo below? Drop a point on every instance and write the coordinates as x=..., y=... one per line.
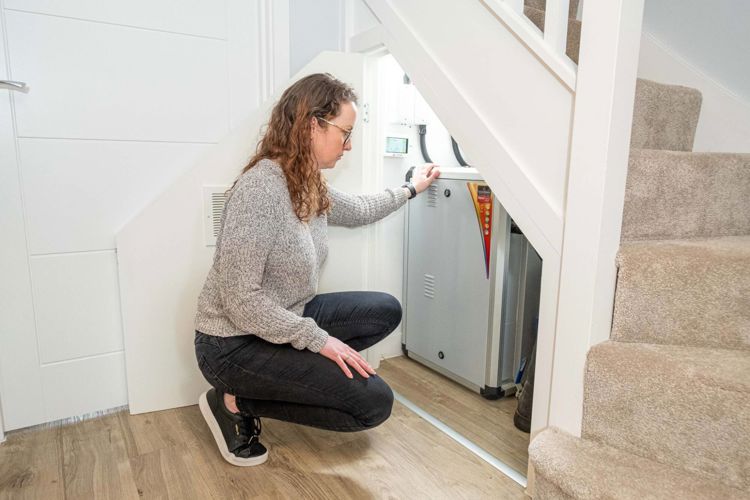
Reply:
x=664, y=116
x=688, y=407
x=685, y=292
x=567, y=467
x=573, y=45
x=671, y=195
x=542, y=5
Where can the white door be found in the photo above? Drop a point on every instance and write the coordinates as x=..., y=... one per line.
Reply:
x=164, y=257
x=124, y=97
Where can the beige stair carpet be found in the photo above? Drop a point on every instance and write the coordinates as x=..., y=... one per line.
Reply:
x=667, y=400
x=664, y=116
x=688, y=407
x=542, y=5
x=684, y=292
x=587, y=470
x=672, y=194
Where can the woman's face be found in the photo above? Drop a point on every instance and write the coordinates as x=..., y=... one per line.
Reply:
x=328, y=144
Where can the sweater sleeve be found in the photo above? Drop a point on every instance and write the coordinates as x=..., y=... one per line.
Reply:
x=358, y=209
x=248, y=235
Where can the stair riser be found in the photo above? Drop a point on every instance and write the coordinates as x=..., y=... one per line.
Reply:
x=671, y=413
x=671, y=195
x=664, y=116
x=672, y=293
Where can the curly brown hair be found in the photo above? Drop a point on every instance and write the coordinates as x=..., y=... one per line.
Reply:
x=288, y=138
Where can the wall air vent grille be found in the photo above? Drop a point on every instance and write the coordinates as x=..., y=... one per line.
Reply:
x=429, y=286
x=214, y=199
x=432, y=196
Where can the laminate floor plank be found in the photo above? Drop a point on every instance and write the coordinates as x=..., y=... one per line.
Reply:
x=31, y=464
x=221, y=479
x=172, y=454
x=487, y=423
x=95, y=461
x=154, y=431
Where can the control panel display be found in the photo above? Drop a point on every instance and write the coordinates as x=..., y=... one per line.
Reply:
x=481, y=195
x=396, y=145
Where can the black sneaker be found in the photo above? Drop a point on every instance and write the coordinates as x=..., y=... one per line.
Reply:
x=237, y=436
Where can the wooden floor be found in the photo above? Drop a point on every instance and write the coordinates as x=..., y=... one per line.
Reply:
x=489, y=424
x=171, y=454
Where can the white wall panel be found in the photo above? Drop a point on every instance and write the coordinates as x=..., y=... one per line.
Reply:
x=79, y=193
x=243, y=45
x=124, y=97
x=195, y=17
x=98, y=81
x=84, y=385
x=362, y=17
x=161, y=273
x=77, y=305
x=18, y=356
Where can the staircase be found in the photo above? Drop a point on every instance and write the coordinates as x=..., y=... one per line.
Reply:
x=667, y=398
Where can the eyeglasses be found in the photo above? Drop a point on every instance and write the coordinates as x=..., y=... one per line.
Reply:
x=347, y=133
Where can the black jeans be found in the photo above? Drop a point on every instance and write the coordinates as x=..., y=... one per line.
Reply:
x=278, y=381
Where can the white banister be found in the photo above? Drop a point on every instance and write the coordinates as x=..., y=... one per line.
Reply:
x=556, y=25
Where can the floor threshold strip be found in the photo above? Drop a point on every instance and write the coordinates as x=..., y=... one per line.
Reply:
x=469, y=445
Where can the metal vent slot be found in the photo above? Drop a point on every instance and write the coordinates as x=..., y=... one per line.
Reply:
x=214, y=199
x=429, y=286
x=432, y=196
x=218, y=200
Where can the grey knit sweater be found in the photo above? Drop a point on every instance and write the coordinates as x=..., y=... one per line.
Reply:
x=267, y=261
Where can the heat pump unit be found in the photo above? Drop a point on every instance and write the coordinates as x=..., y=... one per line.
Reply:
x=465, y=284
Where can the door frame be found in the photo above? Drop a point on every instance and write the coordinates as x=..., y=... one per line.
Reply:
x=374, y=44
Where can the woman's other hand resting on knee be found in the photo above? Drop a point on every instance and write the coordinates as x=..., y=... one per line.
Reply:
x=343, y=355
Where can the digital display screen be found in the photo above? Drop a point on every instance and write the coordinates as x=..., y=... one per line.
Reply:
x=398, y=145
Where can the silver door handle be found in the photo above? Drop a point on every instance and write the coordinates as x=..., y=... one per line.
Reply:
x=11, y=85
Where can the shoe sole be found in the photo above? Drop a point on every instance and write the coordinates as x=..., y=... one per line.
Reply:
x=230, y=457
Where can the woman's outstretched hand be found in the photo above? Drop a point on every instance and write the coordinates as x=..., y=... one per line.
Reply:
x=343, y=355
x=424, y=175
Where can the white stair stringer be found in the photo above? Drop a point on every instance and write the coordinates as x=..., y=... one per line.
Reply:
x=500, y=103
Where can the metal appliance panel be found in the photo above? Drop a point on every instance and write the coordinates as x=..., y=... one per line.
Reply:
x=448, y=290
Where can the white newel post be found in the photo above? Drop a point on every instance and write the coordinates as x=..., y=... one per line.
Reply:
x=605, y=91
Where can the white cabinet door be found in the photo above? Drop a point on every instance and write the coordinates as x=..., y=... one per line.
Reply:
x=20, y=378
x=124, y=98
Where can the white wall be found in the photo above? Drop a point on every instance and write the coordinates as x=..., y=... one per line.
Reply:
x=314, y=27
x=724, y=123
x=359, y=18
x=711, y=36
x=124, y=97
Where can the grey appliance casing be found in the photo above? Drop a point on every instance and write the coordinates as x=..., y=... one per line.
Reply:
x=455, y=321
